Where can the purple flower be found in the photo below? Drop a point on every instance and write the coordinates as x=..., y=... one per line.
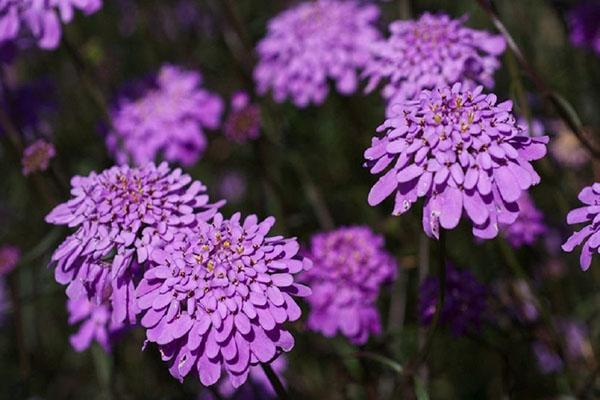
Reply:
x=9, y=258
x=37, y=156
x=29, y=106
x=312, y=43
x=432, y=52
x=584, y=27
x=458, y=150
x=350, y=266
x=166, y=120
x=121, y=215
x=232, y=186
x=548, y=361
x=577, y=346
x=40, y=19
x=528, y=226
x=243, y=121
x=589, y=235
x=218, y=298
x=464, y=305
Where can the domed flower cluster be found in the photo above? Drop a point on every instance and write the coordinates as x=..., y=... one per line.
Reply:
x=589, y=235
x=458, y=150
x=583, y=24
x=350, y=266
x=166, y=120
x=218, y=297
x=243, y=121
x=40, y=19
x=37, y=156
x=121, y=215
x=311, y=43
x=528, y=226
x=432, y=52
x=464, y=305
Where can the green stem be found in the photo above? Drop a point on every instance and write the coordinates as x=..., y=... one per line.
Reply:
x=275, y=382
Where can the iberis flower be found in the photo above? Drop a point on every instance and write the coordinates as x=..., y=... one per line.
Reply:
x=458, y=150
x=350, y=267
x=432, y=52
x=219, y=296
x=589, y=235
x=528, y=226
x=166, y=120
x=121, y=215
x=40, y=19
x=37, y=156
x=243, y=121
x=312, y=43
x=583, y=25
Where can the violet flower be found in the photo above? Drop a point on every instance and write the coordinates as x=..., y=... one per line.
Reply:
x=584, y=29
x=9, y=258
x=528, y=226
x=37, y=156
x=589, y=235
x=243, y=122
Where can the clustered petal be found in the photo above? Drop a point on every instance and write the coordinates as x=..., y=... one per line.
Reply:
x=583, y=25
x=311, y=43
x=219, y=296
x=167, y=119
x=37, y=156
x=589, y=235
x=432, y=52
x=528, y=226
x=458, y=150
x=243, y=122
x=350, y=267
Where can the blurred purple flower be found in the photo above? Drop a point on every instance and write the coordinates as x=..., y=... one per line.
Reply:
x=566, y=147
x=577, y=347
x=432, y=52
x=548, y=361
x=457, y=149
x=350, y=266
x=37, y=156
x=584, y=25
x=218, y=298
x=528, y=226
x=9, y=258
x=166, y=120
x=232, y=186
x=243, y=121
x=589, y=235
x=27, y=104
x=40, y=19
x=311, y=43
x=464, y=305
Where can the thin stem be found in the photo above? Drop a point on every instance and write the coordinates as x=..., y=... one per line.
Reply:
x=275, y=381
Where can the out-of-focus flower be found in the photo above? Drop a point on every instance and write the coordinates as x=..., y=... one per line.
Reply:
x=528, y=226
x=457, y=149
x=218, y=298
x=578, y=348
x=518, y=300
x=311, y=43
x=583, y=25
x=37, y=156
x=232, y=186
x=548, y=361
x=40, y=20
x=566, y=147
x=464, y=305
x=589, y=235
x=121, y=216
x=29, y=104
x=167, y=119
x=350, y=266
x=9, y=258
x=243, y=121
x=432, y=52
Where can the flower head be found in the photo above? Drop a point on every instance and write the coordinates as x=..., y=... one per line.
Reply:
x=9, y=258
x=432, y=52
x=464, y=305
x=583, y=24
x=243, y=121
x=457, y=149
x=528, y=226
x=37, y=156
x=218, y=298
x=589, y=235
x=350, y=266
x=232, y=186
x=312, y=43
x=166, y=120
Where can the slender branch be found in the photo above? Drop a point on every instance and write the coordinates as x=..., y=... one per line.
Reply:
x=275, y=381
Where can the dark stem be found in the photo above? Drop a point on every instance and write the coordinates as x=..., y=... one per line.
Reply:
x=275, y=381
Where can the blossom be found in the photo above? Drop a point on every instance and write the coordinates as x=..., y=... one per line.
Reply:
x=167, y=119
x=457, y=149
x=37, y=156
x=9, y=258
x=219, y=296
x=350, y=266
x=29, y=106
x=40, y=19
x=311, y=43
x=589, y=235
x=528, y=226
x=121, y=215
x=583, y=25
x=243, y=121
x=464, y=305
x=578, y=349
x=432, y=52
x=232, y=186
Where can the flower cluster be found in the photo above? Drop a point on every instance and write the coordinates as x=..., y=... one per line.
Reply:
x=458, y=150
x=528, y=226
x=584, y=27
x=432, y=52
x=243, y=122
x=40, y=19
x=350, y=266
x=37, y=156
x=167, y=119
x=589, y=235
x=464, y=305
x=218, y=297
x=311, y=43
x=9, y=258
